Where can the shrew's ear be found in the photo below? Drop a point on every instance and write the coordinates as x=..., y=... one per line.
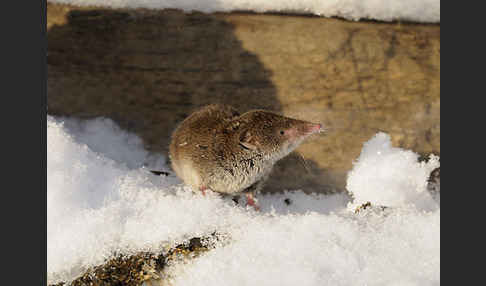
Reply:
x=232, y=126
x=247, y=141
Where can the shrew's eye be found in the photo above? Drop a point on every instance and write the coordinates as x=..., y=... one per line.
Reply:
x=282, y=132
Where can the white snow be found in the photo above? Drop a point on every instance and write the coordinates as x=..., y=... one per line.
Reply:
x=101, y=199
x=385, y=10
x=388, y=176
x=402, y=248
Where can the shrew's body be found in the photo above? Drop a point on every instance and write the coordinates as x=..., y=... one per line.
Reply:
x=217, y=148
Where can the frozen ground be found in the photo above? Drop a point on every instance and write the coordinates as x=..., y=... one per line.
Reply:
x=385, y=10
x=102, y=199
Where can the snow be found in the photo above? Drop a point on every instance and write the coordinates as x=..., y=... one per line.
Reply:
x=101, y=199
x=314, y=249
x=385, y=10
x=388, y=176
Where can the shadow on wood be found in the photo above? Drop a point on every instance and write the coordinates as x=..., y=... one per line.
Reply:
x=148, y=70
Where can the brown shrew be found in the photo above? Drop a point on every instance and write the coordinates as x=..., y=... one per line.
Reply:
x=219, y=149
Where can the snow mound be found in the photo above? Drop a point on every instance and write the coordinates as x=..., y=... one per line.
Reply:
x=402, y=248
x=101, y=200
x=388, y=176
x=104, y=136
x=385, y=10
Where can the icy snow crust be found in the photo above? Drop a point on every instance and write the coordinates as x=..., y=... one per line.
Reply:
x=385, y=10
x=101, y=199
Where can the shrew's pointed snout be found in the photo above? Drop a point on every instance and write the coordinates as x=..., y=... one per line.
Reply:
x=302, y=130
x=311, y=128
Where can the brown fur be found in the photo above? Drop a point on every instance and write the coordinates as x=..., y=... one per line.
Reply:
x=217, y=148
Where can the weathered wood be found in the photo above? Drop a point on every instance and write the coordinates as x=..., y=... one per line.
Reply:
x=147, y=70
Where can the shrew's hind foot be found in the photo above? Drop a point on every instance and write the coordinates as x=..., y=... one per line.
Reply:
x=252, y=201
x=203, y=190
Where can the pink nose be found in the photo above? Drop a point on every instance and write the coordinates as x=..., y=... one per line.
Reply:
x=313, y=128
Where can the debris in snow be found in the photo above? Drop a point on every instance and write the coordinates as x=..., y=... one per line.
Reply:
x=133, y=270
